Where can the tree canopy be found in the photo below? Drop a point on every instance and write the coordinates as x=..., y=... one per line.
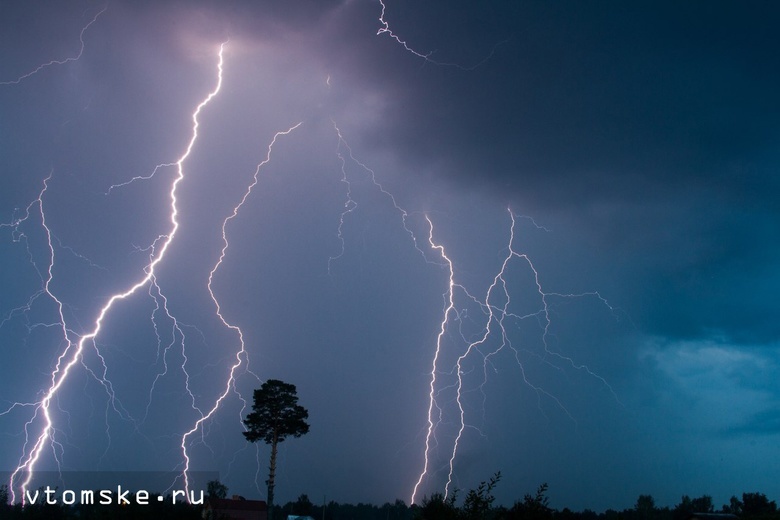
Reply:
x=276, y=414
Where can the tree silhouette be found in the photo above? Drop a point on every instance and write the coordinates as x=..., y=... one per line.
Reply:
x=479, y=501
x=275, y=416
x=438, y=508
x=303, y=506
x=216, y=489
x=645, y=507
x=536, y=507
x=757, y=505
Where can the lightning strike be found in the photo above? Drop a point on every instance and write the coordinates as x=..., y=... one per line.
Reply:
x=22, y=475
x=449, y=309
x=496, y=314
x=241, y=356
x=492, y=338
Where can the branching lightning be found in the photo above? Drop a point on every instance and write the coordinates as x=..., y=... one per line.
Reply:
x=73, y=352
x=350, y=205
x=241, y=357
x=449, y=310
x=495, y=306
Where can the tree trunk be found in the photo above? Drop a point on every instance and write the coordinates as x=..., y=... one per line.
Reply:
x=271, y=475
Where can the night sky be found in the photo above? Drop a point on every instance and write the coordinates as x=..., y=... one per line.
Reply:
x=630, y=346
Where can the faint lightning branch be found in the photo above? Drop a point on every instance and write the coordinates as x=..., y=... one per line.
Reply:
x=351, y=205
x=79, y=256
x=385, y=29
x=73, y=352
x=18, y=236
x=241, y=355
x=139, y=177
x=161, y=304
x=545, y=311
x=41, y=408
x=58, y=62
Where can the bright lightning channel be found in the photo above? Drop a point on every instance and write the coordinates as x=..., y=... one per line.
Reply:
x=241, y=355
x=495, y=316
x=448, y=311
x=75, y=347
x=73, y=352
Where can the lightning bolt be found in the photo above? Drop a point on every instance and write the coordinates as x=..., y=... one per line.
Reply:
x=496, y=314
x=495, y=306
x=241, y=356
x=73, y=352
x=449, y=310
x=42, y=407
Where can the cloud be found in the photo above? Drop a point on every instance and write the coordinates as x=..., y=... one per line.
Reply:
x=720, y=386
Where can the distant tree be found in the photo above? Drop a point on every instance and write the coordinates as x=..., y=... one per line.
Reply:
x=734, y=506
x=757, y=504
x=275, y=416
x=683, y=509
x=645, y=506
x=533, y=507
x=438, y=508
x=588, y=514
x=394, y=511
x=478, y=502
x=216, y=489
x=566, y=514
x=303, y=506
x=703, y=504
x=689, y=505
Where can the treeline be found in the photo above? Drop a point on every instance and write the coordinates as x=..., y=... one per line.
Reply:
x=476, y=504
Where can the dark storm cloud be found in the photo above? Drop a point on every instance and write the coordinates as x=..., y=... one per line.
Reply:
x=625, y=98
x=654, y=123
x=763, y=423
